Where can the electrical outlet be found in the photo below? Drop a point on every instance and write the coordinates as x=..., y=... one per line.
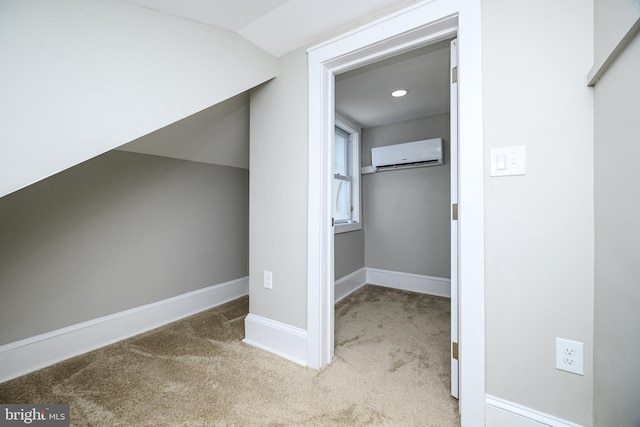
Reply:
x=268, y=279
x=570, y=356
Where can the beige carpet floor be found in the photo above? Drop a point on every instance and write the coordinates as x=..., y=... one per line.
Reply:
x=391, y=369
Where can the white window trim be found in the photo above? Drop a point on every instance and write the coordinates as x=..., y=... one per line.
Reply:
x=355, y=130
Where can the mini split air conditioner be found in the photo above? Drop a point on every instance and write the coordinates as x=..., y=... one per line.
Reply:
x=415, y=154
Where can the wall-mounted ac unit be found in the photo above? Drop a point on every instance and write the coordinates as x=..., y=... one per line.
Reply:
x=416, y=154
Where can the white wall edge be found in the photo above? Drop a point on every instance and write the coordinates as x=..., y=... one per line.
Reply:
x=410, y=282
x=37, y=352
x=349, y=284
x=603, y=64
x=517, y=412
x=276, y=337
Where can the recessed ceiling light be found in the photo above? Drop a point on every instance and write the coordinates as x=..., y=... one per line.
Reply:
x=399, y=93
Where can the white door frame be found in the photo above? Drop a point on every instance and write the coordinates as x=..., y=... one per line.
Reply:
x=453, y=163
x=422, y=23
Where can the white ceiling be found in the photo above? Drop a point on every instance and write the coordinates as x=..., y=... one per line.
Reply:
x=279, y=26
x=232, y=15
x=363, y=94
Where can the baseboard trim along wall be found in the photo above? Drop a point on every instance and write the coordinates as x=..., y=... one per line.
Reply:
x=349, y=284
x=501, y=412
x=410, y=282
x=290, y=342
x=30, y=354
x=391, y=279
x=276, y=337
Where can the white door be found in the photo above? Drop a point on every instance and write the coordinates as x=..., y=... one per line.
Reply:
x=453, y=159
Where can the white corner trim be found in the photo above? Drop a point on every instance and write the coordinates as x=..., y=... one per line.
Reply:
x=350, y=283
x=410, y=282
x=276, y=337
x=603, y=64
x=516, y=412
x=30, y=354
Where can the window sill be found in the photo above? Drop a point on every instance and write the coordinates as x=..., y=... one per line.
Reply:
x=344, y=228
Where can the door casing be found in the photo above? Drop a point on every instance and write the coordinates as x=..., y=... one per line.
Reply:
x=423, y=23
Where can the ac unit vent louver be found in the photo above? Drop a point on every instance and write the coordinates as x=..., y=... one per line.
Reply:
x=428, y=152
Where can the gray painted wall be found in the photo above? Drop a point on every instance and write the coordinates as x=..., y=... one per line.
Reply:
x=617, y=238
x=116, y=232
x=539, y=227
x=406, y=212
x=278, y=158
x=348, y=251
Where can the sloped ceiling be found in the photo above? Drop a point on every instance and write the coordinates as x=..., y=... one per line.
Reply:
x=232, y=15
x=279, y=26
x=217, y=135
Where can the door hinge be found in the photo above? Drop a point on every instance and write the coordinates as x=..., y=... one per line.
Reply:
x=454, y=350
x=333, y=222
x=454, y=75
x=454, y=211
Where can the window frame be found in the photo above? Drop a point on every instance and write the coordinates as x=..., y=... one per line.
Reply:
x=355, y=133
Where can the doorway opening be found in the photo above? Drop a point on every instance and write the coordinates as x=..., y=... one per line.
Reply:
x=389, y=36
x=403, y=238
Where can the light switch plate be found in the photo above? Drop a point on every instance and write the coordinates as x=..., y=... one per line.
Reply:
x=268, y=280
x=508, y=161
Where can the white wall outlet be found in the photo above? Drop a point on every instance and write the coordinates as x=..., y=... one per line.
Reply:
x=570, y=356
x=268, y=280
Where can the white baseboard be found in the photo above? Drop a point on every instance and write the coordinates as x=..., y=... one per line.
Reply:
x=279, y=338
x=30, y=354
x=290, y=342
x=349, y=284
x=503, y=413
x=410, y=282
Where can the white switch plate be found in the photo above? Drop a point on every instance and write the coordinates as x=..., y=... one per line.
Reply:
x=570, y=356
x=508, y=161
x=268, y=279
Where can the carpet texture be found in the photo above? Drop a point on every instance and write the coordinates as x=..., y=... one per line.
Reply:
x=391, y=369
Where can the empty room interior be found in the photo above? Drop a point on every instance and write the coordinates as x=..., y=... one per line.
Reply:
x=176, y=165
x=398, y=235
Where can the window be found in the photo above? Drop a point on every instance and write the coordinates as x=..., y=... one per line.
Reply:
x=346, y=175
